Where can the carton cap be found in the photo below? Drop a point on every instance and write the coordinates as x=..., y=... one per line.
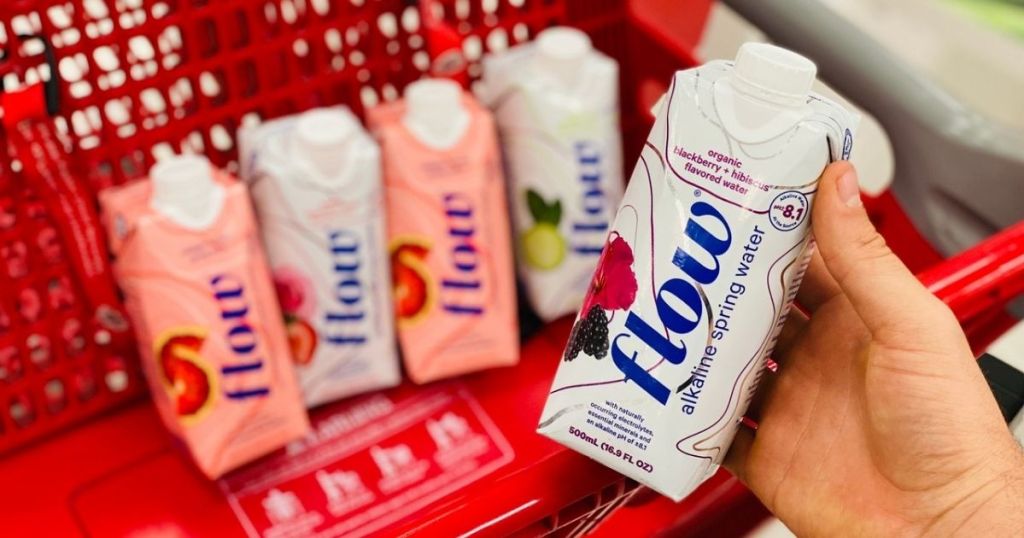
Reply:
x=184, y=189
x=326, y=127
x=562, y=43
x=560, y=54
x=181, y=177
x=435, y=113
x=320, y=136
x=773, y=72
x=433, y=97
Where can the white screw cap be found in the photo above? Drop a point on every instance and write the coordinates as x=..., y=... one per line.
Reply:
x=326, y=127
x=562, y=43
x=560, y=54
x=320, y=135
x=433, y=95
x=774, y=73
x=184, y=188
x=178, y=178
x=435, y=113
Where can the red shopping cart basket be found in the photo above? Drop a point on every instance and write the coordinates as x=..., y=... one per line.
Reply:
x=141, y=78
x=145, y=77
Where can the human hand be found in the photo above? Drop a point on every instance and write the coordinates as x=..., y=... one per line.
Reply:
x=878, y=421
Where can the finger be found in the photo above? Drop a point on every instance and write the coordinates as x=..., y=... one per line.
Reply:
x=739, y=453
x=818, y=287
x=881, y=289
x=788, y=337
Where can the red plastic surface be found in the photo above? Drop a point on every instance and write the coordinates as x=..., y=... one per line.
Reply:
x=145, y=77
x=722, y=506
x=53, y=369
x=977, y=284
x=983, y=277
x=213, y=65
x=123, y=474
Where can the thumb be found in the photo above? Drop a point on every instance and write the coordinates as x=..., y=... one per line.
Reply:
x=885, y=294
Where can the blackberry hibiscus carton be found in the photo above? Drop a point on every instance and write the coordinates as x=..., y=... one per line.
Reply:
x=556, y=104
x=699, y=271
x=451, y=252
x=200, y=298
x=316, y=185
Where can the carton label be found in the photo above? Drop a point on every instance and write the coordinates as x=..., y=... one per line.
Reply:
x=462, y=289
x=345, y=322
x=246, y=362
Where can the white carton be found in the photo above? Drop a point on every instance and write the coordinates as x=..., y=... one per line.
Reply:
x=701, y=266
x=316, y=185
x=556, y=102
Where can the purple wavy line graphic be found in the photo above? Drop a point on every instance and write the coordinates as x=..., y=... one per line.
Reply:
x=636, y=217
x=771, y=296
x=650, y=194
x=746, y=367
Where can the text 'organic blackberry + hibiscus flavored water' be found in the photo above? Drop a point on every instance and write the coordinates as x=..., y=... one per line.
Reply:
x=556, y=103
x=202, y=304
x=701, y=266
x=316, y=185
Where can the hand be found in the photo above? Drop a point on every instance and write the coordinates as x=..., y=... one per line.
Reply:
x=878, y=422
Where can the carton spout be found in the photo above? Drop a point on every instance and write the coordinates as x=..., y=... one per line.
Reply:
x=320, y=137
x=773, y=74
x=185, y=190
x=561, y=53
x=435, y=112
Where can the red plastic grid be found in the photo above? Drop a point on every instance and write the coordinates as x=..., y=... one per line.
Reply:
x=52, y=372
x=142, y=78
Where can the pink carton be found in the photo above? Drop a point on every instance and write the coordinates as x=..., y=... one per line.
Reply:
x=203, y=306
x=451, y=251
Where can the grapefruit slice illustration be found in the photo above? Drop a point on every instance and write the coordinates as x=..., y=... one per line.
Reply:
x=413, y=286
x=302, y=339
x=188, y=380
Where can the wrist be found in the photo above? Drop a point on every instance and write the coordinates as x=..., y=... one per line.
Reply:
x=993, y=506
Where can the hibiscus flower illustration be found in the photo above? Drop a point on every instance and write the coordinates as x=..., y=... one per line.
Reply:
x=614, y=284
x=613, y=288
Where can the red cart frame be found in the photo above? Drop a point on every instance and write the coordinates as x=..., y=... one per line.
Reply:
x=144, y=77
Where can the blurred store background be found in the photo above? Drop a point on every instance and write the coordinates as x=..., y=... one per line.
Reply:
x=979, y=66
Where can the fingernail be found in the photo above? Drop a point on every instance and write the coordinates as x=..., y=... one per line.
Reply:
x=849, y=189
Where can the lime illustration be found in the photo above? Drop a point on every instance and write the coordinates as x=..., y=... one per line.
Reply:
x=543, y=245
x=580, y=125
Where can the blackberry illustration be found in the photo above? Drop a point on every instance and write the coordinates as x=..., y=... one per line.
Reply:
x=589, y=335
x=575, y=345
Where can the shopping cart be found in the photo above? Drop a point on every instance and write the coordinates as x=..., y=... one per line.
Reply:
x=141, y=78
x=136, y=79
